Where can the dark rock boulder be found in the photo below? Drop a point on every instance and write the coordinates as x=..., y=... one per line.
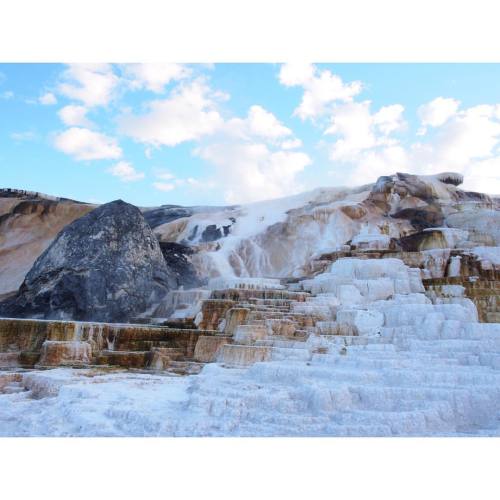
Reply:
x=177, y=257
x=105, y=266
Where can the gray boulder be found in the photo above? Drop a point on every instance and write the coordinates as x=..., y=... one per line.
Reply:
x=106, y=266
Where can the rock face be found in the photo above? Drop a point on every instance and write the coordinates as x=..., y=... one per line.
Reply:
x=105, y=266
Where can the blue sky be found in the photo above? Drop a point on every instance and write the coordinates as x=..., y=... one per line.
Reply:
x=227, y=133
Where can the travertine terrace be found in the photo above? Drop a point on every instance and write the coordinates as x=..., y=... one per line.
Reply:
x=385, y=322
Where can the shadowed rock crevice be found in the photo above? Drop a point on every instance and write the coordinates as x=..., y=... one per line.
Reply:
x=177, y=257
x=105, y=266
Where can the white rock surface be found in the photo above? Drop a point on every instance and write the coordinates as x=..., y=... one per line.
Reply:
x=417, y=369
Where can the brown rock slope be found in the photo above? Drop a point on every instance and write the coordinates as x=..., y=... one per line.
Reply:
x=29, y=222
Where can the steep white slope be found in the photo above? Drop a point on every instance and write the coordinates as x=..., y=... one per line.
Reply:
x=271, y=238
x=279, y=238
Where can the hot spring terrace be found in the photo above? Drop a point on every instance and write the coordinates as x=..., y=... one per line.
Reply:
x=365, y=348
x=235, y=322
x=29, y=343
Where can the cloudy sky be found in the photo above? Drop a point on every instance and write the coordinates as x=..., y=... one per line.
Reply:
x=231, y=133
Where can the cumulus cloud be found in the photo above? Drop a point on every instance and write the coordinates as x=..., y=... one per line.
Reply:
x=84, y=144
x=471, y=134
x=483, y=175
x=437, y=112
x=251, y=158
x=466, y=141
x=126, y=172
x=321, y=88
x=47, y=99
x=264, y=124
x=258, y=123
x=292, y=74
x=251, y=171
x=357, y=129
x=265, y=151
x=154, y=76
x=92, y=84
x=189, y=113
x=389, y=119
x=74, y=115
x=291, y=144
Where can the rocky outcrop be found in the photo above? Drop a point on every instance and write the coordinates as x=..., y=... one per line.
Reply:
x=105, y=266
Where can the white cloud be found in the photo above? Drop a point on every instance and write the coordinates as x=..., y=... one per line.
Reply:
x=126, y=172
x=292, y=74
x=259, y=123
x=483, y=176
x=353, y=123
x=389, y=119
x=164, y=186
x=92, y=84
x=465, y=141
x=251, y=171
x=168, y=181
x=437, y=112
x=253, y=155
x=264, y=124
x=74, y=115
x=6, y=95
x=189, y=113
x=358, y=130
x=470, y=136
x=163, y=174
x=84, y=144
x=154, y=76
x=369, y=164
x=321, y=89
x=291, y=144
x=47, y=99
x=250, y=163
